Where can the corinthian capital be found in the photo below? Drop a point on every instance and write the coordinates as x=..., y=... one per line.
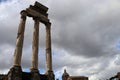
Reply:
x=23, y=14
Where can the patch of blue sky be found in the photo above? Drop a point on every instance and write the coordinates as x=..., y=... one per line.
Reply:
x=118, y=45
x=59, y=78
x=53, y=53
x=42, y=71
x=1, y=1
x=58, y=75
x=26, y=70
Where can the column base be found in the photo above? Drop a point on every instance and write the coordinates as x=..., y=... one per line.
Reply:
x=15, y=73
x=51, y=75
x=35, y=75
x=34, y=70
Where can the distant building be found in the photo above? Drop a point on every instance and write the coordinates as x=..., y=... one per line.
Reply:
x=116, y=77
x=77, y=78
x=66, y=76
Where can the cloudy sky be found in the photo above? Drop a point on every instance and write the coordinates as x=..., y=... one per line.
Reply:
x=85, y=36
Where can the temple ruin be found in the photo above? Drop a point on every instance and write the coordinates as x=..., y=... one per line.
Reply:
x=38, y=13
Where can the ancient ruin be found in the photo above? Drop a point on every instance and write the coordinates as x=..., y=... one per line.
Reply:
x=116, y=77
x=66, y=76
x=39, y=14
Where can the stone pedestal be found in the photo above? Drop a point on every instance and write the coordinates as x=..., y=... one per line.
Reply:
x=15, y=73
x=35, y=75
x=50, y=75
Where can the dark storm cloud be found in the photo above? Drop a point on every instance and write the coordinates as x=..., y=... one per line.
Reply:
x=84, y=29
x=6, y=56
x=79, y=27
x=84, y=32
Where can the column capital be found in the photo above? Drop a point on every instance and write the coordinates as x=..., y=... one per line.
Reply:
x=23, y=14
x=48, y=24
x=35, y=18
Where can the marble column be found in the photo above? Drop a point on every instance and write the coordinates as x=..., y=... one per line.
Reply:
x=48, y=48
x=20, y=39
x=35, y=45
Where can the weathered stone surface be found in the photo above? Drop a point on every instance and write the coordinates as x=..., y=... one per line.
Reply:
x=50, y=75
x=15, y=73
x=20, y=39
x=35, y=44
x=3, y=77
x=33, y=13
x=48, y=48
x=35, y=74
x=41, y=7
x=26, y=76
x=49, y=71
x=38, y=10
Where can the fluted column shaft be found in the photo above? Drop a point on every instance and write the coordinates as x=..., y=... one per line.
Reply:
x=48, y=48
x=20, y=39
x=35, y=44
